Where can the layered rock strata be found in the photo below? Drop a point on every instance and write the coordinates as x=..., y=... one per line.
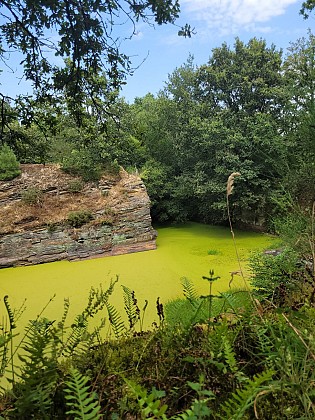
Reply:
x=35, y=226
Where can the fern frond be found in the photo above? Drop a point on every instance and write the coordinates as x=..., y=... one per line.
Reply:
x=79, y=335
x=38, y=372
x=131, y=306
x=189, y=290
x=66, y=306
x=81, y=402
x=95, y=335
x=35, y=401
x=185, y=313
x=199, y=408
x=9, y=312
x=115, y=320
x=229, y=354
x=150, y=403
x=5, y=339
x=98, y=298
x=238, y=302
x=38, y=344
x=244, y=398
x=76, y=335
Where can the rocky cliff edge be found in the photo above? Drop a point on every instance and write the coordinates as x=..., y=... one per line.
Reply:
x=39, y=209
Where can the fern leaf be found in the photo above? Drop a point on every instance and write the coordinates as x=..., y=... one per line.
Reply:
x=229, y=354
x=81, y=403
x=238, y=301
x=242, y=399
x=150, y=404
x=78, y=335
x=98, y=298
x=38, y=373
x=115, y=320
x=9, y=312
x=75, y=337
x=66, y=306
x=131, y=306
x=189, y=290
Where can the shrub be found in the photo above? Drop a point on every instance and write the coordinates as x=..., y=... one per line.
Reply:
x=112, y=168
x=32, y=196
x=295, y=230
x=75, y=186
x=77, y=219
x=9, y=166
x=279, y=278
x=82, y=163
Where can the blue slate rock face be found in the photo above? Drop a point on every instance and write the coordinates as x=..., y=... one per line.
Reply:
x=38, y=231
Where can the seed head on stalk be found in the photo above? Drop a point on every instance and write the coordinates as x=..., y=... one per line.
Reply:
x=230, y=182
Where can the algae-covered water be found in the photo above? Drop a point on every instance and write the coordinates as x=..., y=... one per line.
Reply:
x=190, y=250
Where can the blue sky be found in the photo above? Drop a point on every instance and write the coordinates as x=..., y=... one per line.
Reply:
x=215, y=22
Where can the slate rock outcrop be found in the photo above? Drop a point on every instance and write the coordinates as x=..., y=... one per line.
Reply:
x=35, y=209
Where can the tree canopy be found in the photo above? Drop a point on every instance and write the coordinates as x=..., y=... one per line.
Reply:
x=84, y=33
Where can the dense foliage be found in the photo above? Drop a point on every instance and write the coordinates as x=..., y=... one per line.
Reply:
x=247, y=110
x=9, y=166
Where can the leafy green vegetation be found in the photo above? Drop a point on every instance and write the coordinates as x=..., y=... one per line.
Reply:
x=79, y=218
x=32, y=196
x=9, y=166
x=249, y=109
x=220, y=356
x=75, y=186
x=92, y=66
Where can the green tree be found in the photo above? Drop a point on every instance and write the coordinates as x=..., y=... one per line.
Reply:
x=243, y=89
x=245, y=79
x=226, y=116
x=9, y=166
x=152, y=122
x=223, y=117
x=299, y=68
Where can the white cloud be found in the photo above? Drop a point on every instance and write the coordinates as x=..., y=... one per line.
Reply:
x=228, y=16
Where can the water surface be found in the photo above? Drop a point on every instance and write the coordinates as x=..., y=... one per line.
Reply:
x=189, y=250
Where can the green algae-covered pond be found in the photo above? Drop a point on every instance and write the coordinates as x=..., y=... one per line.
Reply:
x=189, y=250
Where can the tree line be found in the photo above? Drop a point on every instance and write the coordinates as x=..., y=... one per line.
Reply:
x=249, y=109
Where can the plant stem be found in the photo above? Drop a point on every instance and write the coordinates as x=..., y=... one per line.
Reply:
x=234, y=242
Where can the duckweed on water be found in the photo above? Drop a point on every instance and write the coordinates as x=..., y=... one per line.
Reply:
x=181, y=251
